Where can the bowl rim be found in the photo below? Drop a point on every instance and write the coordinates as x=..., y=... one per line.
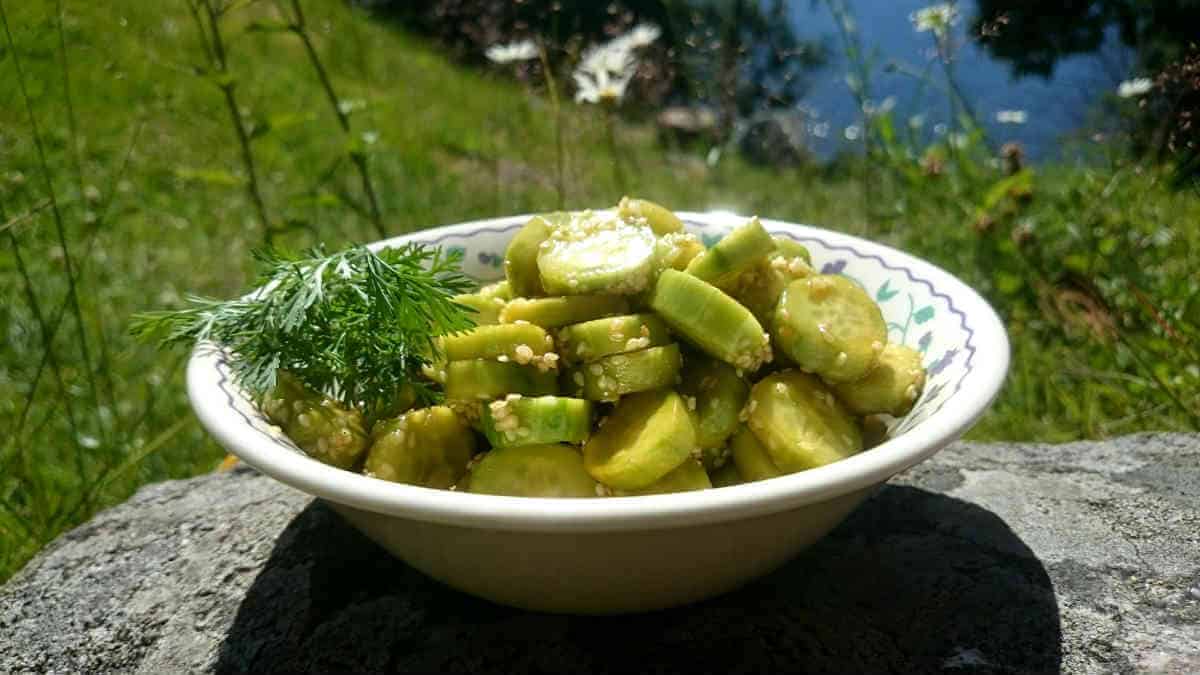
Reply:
x=978, y=389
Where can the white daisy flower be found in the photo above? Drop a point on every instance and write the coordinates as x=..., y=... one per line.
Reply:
x=604, y=73
x=641, y=35
x=523, y=50
x=937, y=18
x=1012, y=116
x=1135, y=87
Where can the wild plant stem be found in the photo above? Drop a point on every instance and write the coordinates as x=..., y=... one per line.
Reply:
x=610, y=128
x=552, y=87
x=298, y=26
x=55, y=368
x=68, y=101
x=210, y=37
x=59, y=226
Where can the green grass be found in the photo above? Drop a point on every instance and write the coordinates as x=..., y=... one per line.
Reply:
x=152, y=199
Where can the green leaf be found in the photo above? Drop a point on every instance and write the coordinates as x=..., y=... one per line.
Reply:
x=210, y=176
x=924, y=314
x=1076, y=262
x=1008, y=284
x=885, y=293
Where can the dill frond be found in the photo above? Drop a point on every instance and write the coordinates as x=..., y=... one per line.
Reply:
x=357, y=325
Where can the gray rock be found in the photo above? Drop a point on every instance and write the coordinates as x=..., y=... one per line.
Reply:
x=988, y=558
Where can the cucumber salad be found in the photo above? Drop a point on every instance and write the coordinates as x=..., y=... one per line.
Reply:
x=621, y=356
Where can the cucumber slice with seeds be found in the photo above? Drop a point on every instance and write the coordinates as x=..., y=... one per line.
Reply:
x=523, y=420
x=597, y=253
x=759, y=287
x=828, y=325
x=744, y=246
x=790, y=248
x=487, y=310
x=591, y=340
x=531, y=471
x=520, y=258
x=429, y=447
x=715, y=395
x=558, y=312
x=659, y=218
x=646, y=436
x=612, y=377
x=752, y=460
x=800, y=423
x=677, y=250
x=711, y=320
x=317, y=424
x=522, y=343
x=688, y=476
x=481, y=379
x=892, y=386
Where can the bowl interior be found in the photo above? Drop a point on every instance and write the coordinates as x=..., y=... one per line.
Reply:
x=963, y=343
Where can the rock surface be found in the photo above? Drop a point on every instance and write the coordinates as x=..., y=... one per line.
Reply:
x=988, y=558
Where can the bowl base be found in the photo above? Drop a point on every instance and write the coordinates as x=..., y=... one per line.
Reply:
x=600, y=573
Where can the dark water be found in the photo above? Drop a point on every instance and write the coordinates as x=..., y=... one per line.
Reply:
x=1053, y=107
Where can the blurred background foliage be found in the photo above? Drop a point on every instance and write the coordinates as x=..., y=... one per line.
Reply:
x=146, y=148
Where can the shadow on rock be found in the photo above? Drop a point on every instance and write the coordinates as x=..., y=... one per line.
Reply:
x=913, y=581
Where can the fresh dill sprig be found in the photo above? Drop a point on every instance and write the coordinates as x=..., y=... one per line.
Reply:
x=356, y=325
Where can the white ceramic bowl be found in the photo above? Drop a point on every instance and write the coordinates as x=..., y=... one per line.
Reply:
x=639, y=553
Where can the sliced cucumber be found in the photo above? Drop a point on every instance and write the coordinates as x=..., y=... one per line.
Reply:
x=800, y=423
x=646, y=436
x=429, y=447
x=612, y=377
x=597, y=253
x=677, y=250
x=524, y=420
x=520, y=258
x=752, y=460
x=725, y=476
x=558, y=312
x=497, y=289
x=659, y=218
x=522, y=343
x=759, y=287
x=892, y=386
x=790, y=248
x=591, y=340
x=828, y=325
x=481, y=379
x=740, y=249
x=487, y=310
x=317, y=424
x=711, y=320
x=715, y=395
x=532, y=471
x=688, y=476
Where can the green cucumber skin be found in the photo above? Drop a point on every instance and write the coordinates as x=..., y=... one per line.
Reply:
x=719, y=396
x=489, y=342
x=563, y=311
x=743, y=247
x=544, y=470
x=520, y=258
x=481, y=379
x=593, y=340
x=711, y=320
x=612, y=377
x=429, y=447
x=646, y=436
x=660, y=219
x=536, y=421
